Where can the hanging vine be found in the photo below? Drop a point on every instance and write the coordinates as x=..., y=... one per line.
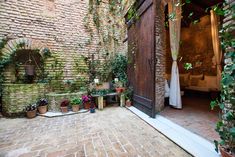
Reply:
x=107, y=17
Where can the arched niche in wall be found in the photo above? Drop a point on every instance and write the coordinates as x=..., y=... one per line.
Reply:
x=21, y=51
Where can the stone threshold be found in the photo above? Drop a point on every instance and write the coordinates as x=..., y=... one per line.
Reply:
x=189, y=141
x=50, y=114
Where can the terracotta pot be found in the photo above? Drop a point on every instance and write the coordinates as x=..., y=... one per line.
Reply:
x=120, y=89
x=128, y=103
x=31, y=114
x=87, y=105
x=224, y=153
x=42, y=109
x=64, y=109
x=75, y=108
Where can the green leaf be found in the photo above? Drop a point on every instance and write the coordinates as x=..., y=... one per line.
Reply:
x=229, y=116
x=219, y=124
x=232, y=100
x=213, y=104
x=190, y=15
x=187, y=1
x=195, y=22
x=232, y=131
x=221, y=105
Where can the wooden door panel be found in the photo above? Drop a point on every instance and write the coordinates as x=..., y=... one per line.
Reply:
x=141, y=71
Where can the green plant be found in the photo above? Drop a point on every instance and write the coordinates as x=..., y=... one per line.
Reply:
x=188, y=66
x=118, y=84
x=76, y=101
x=119, y=68
x=31, y=107
x=226, y=125
x=64, y=103
x=128, y=93
x=104, y=71
x=56, y=74
x=101, y=92
x=132, y=14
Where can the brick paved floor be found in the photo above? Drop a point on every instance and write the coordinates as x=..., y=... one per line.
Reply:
x=195, y=116
x=113, y=132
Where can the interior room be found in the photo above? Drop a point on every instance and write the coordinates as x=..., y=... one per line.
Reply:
x=198, y=68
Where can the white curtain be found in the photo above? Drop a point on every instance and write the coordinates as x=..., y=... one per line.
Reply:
x=174, y=8
x=216, y=45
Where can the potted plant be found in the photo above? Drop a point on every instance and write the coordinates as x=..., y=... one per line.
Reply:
x=86, y=100
x=31, y=110
x=128, y=96
x=76, y=102
x=92, y=107
x=119, y=86
x=42, y=105
x=64, y=105
x=119, y=67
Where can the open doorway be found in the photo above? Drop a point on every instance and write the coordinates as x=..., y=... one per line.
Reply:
x=198, y=84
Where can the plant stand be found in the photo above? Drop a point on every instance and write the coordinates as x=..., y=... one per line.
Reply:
x=122, y=100
x=100, y=99
x=100, y=102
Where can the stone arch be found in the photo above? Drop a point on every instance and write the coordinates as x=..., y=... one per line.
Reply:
x=23, y=44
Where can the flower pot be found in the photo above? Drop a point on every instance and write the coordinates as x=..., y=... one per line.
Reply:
x=30, y=70
x=42, y=109
x=128, y=103
x=31, y=114
x=92, y=110
x=120, y=89
x=64, y=109
x=87, y=105
x=75, y=108
x=224, y=153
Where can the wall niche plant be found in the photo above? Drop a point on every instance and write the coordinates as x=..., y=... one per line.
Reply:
x=8, y=57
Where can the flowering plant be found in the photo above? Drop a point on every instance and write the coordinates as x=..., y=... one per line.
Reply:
x=64, y=103
x=86, y=98
x=31, y=107
x=42, y=102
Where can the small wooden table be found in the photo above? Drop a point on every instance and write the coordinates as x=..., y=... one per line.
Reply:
x=101, y=99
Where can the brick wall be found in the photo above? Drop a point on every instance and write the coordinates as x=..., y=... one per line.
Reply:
x=196, y=48
x=160, y=56
x=17, y=96
x=60, y=26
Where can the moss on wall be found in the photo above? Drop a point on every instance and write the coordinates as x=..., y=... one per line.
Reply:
x=55, y=99
x=17, y=96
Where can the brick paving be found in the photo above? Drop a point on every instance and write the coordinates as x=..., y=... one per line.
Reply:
x=195, y=116
x=113, y=132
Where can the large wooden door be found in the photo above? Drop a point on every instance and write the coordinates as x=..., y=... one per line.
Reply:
x=141, y=55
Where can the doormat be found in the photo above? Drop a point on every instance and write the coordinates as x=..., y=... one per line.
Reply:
x=60, y=114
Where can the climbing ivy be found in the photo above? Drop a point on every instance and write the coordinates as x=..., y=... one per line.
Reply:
x=105, y=16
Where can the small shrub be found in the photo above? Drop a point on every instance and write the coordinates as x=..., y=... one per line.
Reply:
x=76, y=101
